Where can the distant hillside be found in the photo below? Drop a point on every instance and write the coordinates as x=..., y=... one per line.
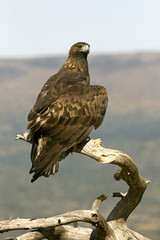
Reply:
x=131, y=79
x=131, y=125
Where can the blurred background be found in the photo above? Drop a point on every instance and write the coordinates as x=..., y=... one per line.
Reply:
x=125, y=58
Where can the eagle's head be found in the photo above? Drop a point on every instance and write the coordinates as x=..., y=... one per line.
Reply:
x=80, y=48
x=77, y=59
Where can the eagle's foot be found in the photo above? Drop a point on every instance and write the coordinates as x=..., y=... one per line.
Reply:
x=27, y=137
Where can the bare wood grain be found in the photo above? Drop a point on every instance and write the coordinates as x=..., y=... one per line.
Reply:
x=114, y=227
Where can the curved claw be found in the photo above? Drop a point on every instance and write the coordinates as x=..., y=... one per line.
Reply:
x=19, y=136
x=27, y=137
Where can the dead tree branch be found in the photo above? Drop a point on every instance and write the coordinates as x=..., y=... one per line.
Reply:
x=128, y=172
x=114, y=227
x=89, y=216
x=46, y=226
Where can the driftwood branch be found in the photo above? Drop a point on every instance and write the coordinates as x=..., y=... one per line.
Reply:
x=128, y=172
x=46, y=226
x=114, y=227
x=88, y=216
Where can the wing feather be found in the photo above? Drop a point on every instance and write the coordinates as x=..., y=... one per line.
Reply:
x=67, y=121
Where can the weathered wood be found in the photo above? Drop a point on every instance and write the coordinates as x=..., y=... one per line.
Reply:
x=88, y=216
x=114, y=227
x=46, y=226
x=59, y=233
x=129, y=173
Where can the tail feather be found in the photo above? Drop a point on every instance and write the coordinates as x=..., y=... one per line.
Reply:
x=45, y=156
x=51, y=171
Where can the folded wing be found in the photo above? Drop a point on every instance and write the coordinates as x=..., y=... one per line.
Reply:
x=64, y=123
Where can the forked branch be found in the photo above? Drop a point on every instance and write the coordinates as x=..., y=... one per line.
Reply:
x=114, y=227
x=128, y=172
x=46, y=226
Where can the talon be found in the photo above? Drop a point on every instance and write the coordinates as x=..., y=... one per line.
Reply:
x=19, y=136
x=25, y=137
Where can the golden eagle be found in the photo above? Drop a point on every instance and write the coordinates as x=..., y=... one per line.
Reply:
x=65, y=112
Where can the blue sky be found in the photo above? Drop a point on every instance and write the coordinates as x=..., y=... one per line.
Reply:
x=30, y=28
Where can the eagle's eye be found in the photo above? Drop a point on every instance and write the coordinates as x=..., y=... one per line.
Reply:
x=80, y=46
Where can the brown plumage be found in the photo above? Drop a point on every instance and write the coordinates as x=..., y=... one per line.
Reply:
x=65, y=112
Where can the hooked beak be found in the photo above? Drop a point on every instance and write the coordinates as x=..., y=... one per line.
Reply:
x=85, y=48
